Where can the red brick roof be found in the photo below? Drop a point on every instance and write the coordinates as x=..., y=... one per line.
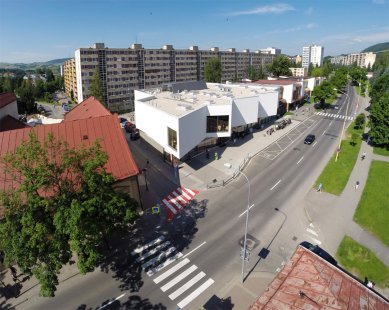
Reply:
x=90, y=107
x=6, y=98
x=324, y=287
x=10, y=123
x=84, y=131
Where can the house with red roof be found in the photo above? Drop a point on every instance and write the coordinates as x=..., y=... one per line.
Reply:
x=83, y=125
x=308, y=281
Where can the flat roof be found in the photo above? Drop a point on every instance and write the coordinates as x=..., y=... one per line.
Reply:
x=187, y=101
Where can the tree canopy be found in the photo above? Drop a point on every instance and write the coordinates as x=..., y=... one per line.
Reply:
x=96, y=87
x=323, y=92
x=63, y=203
x=213, y=70
x=357, y=75
x=280, y=66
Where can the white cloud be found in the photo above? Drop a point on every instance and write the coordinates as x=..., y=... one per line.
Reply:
x=275, y=9
x=309, y=11
x=297, y=28
x=349, y=39
x=379, y=1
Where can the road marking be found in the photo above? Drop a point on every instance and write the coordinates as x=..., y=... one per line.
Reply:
x=153, y=251
x=275, y=185
x=196, y=293
x=146, y=246
x=187, y=285
x=300, y=160
x=117, y=298
x=171, y=271
x=312, y=232
x=169, y=206
x=246, y=210
x=318, y=242
x=166, y=263
x=194, y=249
x=159, y=257
x=314, y=144
x=179, y=278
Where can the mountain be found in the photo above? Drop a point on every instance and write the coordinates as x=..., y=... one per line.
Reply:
x=380, y=47
x=34, y=65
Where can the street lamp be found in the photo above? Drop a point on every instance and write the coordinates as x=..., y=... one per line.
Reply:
x=283, y=213
x=145, y=170
x=228, y=165
x=344, y=124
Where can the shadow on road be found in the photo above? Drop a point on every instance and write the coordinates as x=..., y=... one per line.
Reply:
x=133, y=303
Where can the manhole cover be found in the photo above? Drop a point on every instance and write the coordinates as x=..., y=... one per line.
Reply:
x=294, y=238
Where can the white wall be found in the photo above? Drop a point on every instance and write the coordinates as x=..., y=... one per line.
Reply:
x=77, y=57
x=268, y=104
x=288, y=93
x=10, y=109
x=244, y=111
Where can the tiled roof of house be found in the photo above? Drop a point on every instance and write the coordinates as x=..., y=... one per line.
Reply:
x=309, y=282
x=10, y=123
x=6, y=98
x=90, y=107
x=77, y=132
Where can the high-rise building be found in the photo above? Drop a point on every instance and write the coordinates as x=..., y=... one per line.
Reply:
x=70, y=81
x=313, y=54
x=270, y=50
x=123, y=70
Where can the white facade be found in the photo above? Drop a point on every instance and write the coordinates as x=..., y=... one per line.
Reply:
x=191, y=114
x=270, y=50
x=313, y=54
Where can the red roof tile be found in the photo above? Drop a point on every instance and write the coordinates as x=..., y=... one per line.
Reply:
x=6, y=98
x=90, y=107
x=324, y=286
x=10, y=123
x=84, y=131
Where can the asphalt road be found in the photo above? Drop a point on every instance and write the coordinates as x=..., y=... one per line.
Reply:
x=213, y=242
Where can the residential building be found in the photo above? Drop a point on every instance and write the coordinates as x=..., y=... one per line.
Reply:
x=299, y=71
x=308, y=281
x=181, y=119
x=270, y=50
x=83, y=125
x=70, y=81
x=296, y=59
x=9, y=117
x=363, y=60
x=123, y=70
x=312, y=54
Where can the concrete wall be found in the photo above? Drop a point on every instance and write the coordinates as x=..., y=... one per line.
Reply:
x=129, y=186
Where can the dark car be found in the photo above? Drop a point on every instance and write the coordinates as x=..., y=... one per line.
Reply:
x=128, y=126
x=122, y=121
x=319, y=251
x=309, y=139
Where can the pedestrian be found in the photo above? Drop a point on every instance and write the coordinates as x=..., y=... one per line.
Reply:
x=207, y=153
x=356, y=185
x=216, y=156
x=363, y=155
x=14, y=273
x=319, y=189
x=234, y=140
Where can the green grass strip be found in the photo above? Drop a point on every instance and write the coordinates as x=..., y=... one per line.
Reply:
x=381, y=151
x=373, y=208
x=362, y=262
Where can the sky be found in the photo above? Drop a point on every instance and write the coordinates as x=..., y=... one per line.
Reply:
x=42, y=30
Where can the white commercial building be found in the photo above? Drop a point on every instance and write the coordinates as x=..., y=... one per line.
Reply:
x=313, y=54
x=270, y=50
x=191, y=116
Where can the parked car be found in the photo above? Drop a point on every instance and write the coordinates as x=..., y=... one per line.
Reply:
x=320, y=252
x=135, y=134
x=336, y=106
x=66, y=107
x=122, y=121
x=309, y=139
x=128, y=126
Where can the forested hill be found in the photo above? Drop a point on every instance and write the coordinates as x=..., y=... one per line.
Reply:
x=380, y=47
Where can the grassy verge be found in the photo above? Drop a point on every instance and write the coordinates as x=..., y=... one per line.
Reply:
x=362, y=262
x=336, y=174
x=381, y=151
x=373, y=208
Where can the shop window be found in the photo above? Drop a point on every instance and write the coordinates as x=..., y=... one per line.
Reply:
x=172, y=138
x=217, y=123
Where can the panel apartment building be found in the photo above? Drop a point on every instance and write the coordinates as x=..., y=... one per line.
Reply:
x=312, y=54
x=123, y=70
x=363, y=60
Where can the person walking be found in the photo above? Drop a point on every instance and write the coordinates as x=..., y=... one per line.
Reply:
x=356, y=185
x=14, y=273
x=319, y=189
x=363, y=155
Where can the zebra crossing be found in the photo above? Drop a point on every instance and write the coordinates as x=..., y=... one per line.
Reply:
x=177, y=200
x=335, y=116
x=312, y=234
x=182, y=280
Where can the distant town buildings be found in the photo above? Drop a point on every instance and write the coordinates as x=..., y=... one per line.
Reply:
x=270, y=50
x=296, y=59
x=312, y=54
x=299, y=71
x=363, y=60
x=123, y=70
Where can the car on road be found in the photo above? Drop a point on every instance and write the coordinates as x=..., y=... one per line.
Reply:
x=128, y=126
x=66, y=107
x=336, y=106
x=122, y=121
x=320, y=252
x=309, y=139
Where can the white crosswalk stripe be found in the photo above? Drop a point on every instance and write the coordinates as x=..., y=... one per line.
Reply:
x=339, y=116
x=177, y=279
x=312, y=234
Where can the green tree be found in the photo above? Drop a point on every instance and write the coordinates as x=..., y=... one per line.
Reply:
x=280, y=66
x=213, y=70
x=26, y=97
x=323, y=92
x=310, y=69
x=96, y=87
x=360, y=120
x=64, y=203
x=379, y=121
x=49, y=75
x=358, y=75
x=317, y=72
x=339, y=78
x=382, y=61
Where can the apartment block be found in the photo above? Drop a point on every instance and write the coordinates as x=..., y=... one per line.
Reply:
x=362, y=59
x=70, y=81
x=299, y=71
x=312, y=54
x=270, y=50
x=123, y=70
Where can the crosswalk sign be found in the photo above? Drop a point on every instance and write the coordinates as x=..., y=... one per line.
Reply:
x=155, y=209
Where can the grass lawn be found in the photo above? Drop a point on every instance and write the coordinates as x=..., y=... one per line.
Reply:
x=362, y=262
x=381, y=151
x=336, y=174
x=373, y=208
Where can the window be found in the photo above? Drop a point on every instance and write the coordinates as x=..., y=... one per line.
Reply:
x=217, y=123
x=172, y=138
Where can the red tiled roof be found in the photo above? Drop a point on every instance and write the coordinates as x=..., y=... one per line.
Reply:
x=90, y=107
x=324, y=287
x=10, y=123
x=6, y=98
x=84, y=131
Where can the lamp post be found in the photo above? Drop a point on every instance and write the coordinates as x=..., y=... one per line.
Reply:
x=228, y=165
x=344, y=124
x=283, y=213
x=145, y=170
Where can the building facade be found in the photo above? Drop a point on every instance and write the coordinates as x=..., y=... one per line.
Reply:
x=271, y=50
x=123, y=70
x=363, y=60
x=312, y=54
x=70, y=81
x=299, y=71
